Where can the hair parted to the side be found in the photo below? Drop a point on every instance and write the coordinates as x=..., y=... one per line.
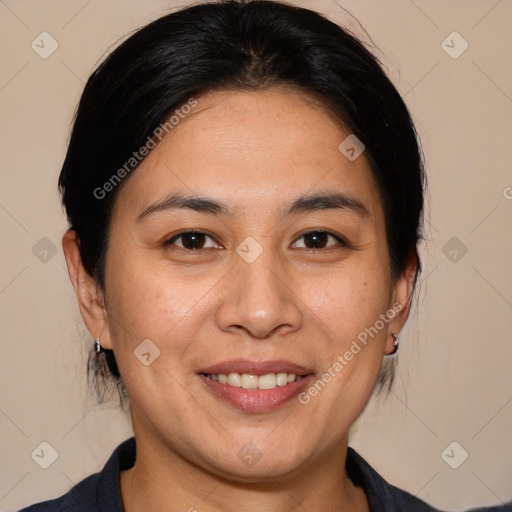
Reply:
x=236, y=45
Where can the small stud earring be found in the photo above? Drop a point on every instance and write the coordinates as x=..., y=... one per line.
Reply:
x=396, y=343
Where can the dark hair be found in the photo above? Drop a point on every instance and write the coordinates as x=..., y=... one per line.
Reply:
x=235, y=45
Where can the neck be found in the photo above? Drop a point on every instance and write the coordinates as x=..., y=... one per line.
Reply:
x=161, y=480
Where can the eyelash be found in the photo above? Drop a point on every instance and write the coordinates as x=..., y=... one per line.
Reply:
x=343, y=242
x=188, y=232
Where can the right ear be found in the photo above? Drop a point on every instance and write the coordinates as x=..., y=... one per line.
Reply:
x=90, y=297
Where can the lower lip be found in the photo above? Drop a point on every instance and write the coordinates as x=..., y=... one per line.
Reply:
x=257, y=400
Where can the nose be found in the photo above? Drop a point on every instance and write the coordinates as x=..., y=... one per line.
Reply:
x=259, y=299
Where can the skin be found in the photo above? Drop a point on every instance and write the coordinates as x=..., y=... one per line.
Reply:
x=256, y=152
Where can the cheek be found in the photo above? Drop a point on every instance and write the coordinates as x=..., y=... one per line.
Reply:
x=349, y=300
x=153, y=314
x=346, y=310
x=152, y=301
x=347, y=307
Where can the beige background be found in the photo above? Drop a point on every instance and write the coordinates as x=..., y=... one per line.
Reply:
x=454, y=381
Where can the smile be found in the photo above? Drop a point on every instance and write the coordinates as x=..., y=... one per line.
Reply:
x=248, y=381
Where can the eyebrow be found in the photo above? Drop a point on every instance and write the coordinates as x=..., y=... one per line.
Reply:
x=328, y=201
x=179, y=201
x=307, y=203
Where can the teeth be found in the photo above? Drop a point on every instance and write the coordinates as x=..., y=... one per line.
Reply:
x=268, y=381
x=282, y=379
x=235, y=380
x=247, y=381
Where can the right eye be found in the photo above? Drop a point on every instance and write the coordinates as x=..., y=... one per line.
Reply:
x=193, y=241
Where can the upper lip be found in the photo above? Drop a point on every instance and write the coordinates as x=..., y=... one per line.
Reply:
x=256, y=367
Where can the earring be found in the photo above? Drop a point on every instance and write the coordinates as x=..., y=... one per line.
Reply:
x=97, y=346
x=396, y=343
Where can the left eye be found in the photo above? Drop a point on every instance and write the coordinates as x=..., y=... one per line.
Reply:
x=193, y=240
x=317, y=240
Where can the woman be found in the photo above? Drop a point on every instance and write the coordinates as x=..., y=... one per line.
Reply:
x=244, y=189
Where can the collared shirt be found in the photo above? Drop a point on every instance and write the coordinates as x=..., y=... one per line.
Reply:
x=101, y=492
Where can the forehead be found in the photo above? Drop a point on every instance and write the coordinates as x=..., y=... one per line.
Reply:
x=251, y=148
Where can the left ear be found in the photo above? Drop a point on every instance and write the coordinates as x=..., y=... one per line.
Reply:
x=401, y=300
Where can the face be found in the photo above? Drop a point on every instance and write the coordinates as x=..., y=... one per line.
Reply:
x=269, y=257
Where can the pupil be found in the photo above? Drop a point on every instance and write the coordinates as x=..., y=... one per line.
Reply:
x=193, y=241
x=317, y=240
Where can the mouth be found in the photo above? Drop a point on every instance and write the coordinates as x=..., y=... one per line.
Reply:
x=249, y=381
x=256, y=386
